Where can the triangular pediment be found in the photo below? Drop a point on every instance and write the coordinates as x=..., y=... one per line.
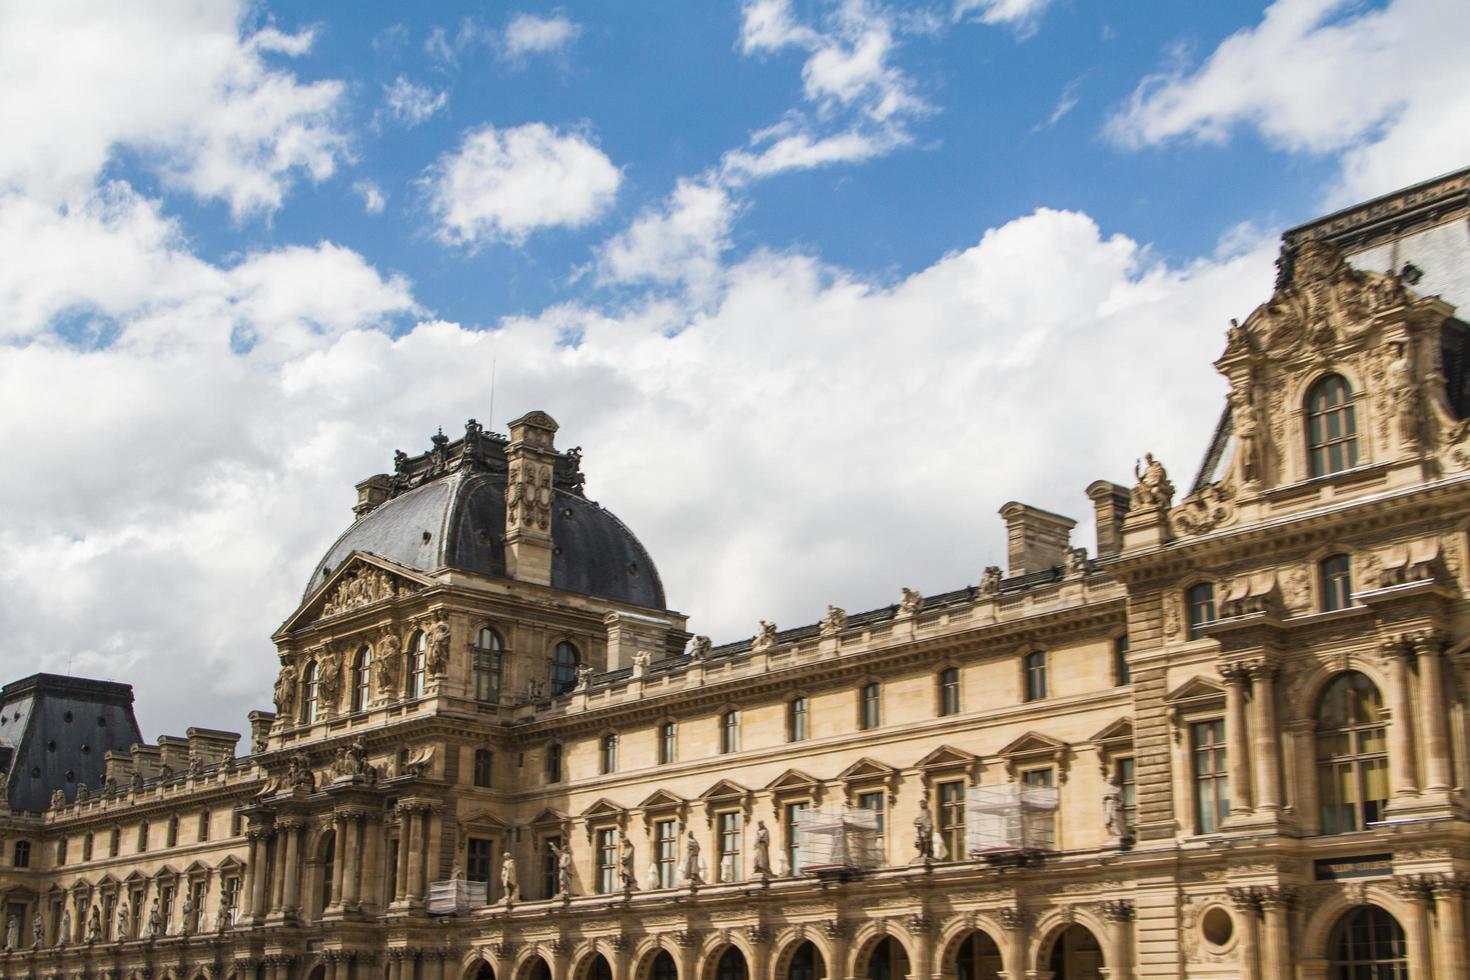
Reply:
x=945, y=756
x=363, y=579
x=603, y=808
x=791, y=779
x=483, y=818
x=724, y=789
x=1120, y=730
x=136, y=878
x=548, y=815
x=660, y=799
x=1196, y=689
x=107, y=880
x=867, y=769
x=231, y=863
x=197, y=868
x=1033, y=743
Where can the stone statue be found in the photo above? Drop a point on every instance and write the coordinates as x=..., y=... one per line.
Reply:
x=835, y=621
x=584, y=676
x=285, y=689
x=1076, y=561
x=84, y=792
x=221, y=917
x=765, y=637
x=924, y=830
x=990, y=580
x=691, y=860
x=1407, y=412
x=58, y=799
x=329, y=677
x=508, y=877
x=911, y=602
x=386, y=661
x=298, y=772
x=762, y=866
x=94, y=925
x=122, y=919
x=641, y=660
x=155, y=921
x=38, y=930
x=186, y=920
x=63, y=929
x=436, y=654
x=135, y=782
x=626, y=871
x=12, y=933
x=1113, y=818
x=1247, y=437
x=1153, y=489
x=563, y=857
x=700, y=649
x=458, y=873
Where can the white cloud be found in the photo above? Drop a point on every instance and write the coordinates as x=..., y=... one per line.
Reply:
x=527, y=34
x=1386, y=88
x=1021, y=15
x=680, y=242
x=783, y=148
x=501, y=185
x=198, y=100
x=410, y=104
x=373, y=198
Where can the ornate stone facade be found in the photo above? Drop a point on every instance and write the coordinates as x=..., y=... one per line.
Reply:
x=1232, y=736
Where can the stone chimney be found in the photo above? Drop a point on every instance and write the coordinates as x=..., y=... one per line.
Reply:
x=1036, y=539
x=370, y=493
x=529, y=498
x=260, y=729
x=211, y=745
x=1109, y=507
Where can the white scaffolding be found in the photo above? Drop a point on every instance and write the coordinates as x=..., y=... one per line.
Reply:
x=457, y=895
x=1010, y=817
x=837, y=839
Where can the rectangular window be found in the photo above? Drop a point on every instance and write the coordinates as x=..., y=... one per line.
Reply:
x=231, y=897
x=1211, y=778
x=61, y=852
x=484, y=768
x=1037, y=777
x=204, y=825
x=609, y=751
x=479, y=858
x=87, y=847
x=729, y=841
x=668, y=743
x=22, y=854
x=553, y=763
x=730, y=732
x=607, y=861
x=796, y=720
x=876, y=803
x=872, y=707
x=143, y=837
x=166, y=902
x=952, y=820
x=1128, y=792
x=392, y=869
x=109, y=915
x=172, y=839
x=1201, y=609
x=1035, y=668
x=949, y=691
x=666, y=852
x=487, y=676
x=794, y=813
x=1122, y=673
x=549, y=866
x=1337, y=584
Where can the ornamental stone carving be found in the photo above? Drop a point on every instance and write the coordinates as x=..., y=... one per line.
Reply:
x=285, y=690
x=329, y=676
x=436, y=652
x=765, y=637
x=1153, y=489
x=358, y=587
x=699, y=649
x=911, y=602
x=990, y=580
x=387, y=662
x=835, y=621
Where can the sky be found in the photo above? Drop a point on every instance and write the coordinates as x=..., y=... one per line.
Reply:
x=817, y=285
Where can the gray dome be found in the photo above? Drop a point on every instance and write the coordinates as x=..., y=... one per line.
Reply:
x=455, y=518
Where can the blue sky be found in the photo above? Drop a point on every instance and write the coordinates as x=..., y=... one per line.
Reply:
x=817, y=285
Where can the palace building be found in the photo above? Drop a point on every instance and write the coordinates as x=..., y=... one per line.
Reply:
x=1232, y=741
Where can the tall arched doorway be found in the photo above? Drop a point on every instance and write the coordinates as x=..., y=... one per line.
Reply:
x=482, y=971
x=732, y=966
x=663, y=967
x=598, y=968
x=806, y=963
x=537, y=969
x=1076, y=955
x=1368, y=942
x=888, y=960
x=978, y=958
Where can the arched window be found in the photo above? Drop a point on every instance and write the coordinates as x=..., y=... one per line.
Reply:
x=1201, y=602
x=949, y=691
x=564, y=661
x=362, y=679
x=1352, y=754
x=310, y=692
x=1332, y=428
x=1368, y=942
x=1035, y=670
x=1337, y=583
x=608, y=753
x=488, y=651
x=418, y=661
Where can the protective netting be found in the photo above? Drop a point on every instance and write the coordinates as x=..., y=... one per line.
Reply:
x=1010, y=817
x=837, y=838
x=457, y=895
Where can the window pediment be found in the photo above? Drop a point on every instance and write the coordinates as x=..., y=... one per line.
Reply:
x=1196, y=692
x=725, y=795
x=794, y=782
x=1035, y=748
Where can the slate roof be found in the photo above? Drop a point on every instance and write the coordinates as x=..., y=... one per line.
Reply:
x=58, y=731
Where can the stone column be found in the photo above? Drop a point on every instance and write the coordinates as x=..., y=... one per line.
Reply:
x=621, y=960
x=1434, y=709
x=760, y=952
x=560, y=959
x=400, y=884
x=350, y=859
x=1405, y=782
x=1118, y=943
x=277, y=849
x=1265, y=738
x=839, y=934
x=339, y=857
x=688, y=955
x=1449, y=907
x=255, y=853
x=1417, y=893
x=1013, y=947
x=1248, y=907
x=1276, y=904
x=331, y=961
x=415, y=841
x=1237, y=740
x=291, y=900
x=395, y=963
x=921, y=957
x=1306, y=805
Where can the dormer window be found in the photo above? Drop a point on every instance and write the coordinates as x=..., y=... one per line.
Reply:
x=1332, y=427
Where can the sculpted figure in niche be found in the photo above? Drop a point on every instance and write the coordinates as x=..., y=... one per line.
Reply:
x=221, y=917
x=1153, y=489
x=1247, y=436
x=155, y=920
x=508, y=877
x=924, y=830
x=691, y=860
x=329, y=677
x=626, y=873
x=285, y=690
x=63, y=930
x=1407, y=413
x=1113, y=818
x=563, y=857
x=762, y=866
x=12, y=933
x=94, y=925
x=186, y=919
x=122, y=919
x=38, y=930
x=436, y=656
x=386, y=662
x=911, y=602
